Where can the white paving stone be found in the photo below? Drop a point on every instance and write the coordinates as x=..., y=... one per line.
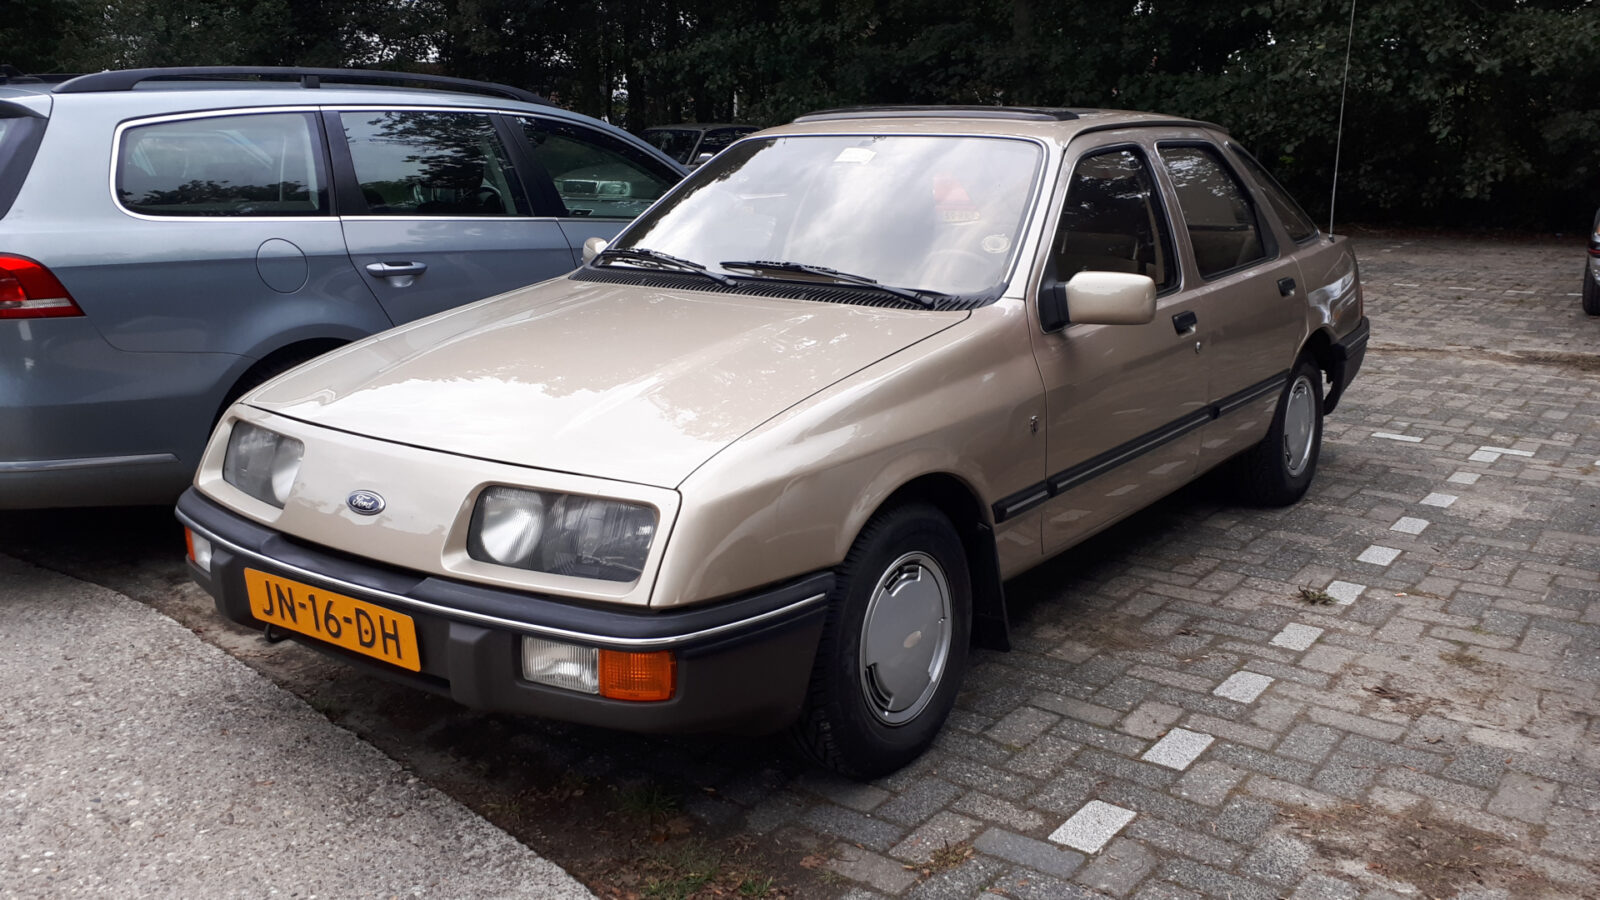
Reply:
x=1178, y=748
x=1507, y=451
x=1483, y=456
x=1378, y=555
x=1090, y=827
x=1295, y=636
x=1243, y=687
x=1346, y=592
x=1442, y=501
x=1464, y=478
x=1409, y=525
x=1389, y=436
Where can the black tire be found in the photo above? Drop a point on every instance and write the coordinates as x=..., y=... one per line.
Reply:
x=851, y=722
x=1266, y=474
x=1591, y=292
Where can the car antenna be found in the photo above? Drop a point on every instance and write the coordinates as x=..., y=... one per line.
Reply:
x=1338, y=140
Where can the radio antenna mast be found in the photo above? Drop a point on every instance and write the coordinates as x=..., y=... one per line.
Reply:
x=1338, y=140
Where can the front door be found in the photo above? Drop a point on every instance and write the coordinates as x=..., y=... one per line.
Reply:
x=1123, y=401
x=434, y=211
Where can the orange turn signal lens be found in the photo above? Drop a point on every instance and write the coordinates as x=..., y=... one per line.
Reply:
x=199, y=550
x=638, y=676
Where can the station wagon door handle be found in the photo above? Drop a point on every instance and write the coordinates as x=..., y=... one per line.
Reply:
x=395, y=269
x=1185, y=322
x=1286, y=286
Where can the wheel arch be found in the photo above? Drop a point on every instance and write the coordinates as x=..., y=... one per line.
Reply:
x=273, y=363
x=1319, y=347
x=960, y=504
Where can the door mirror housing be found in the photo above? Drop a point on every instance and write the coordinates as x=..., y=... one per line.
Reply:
x=1098, y=298
x=593, y=247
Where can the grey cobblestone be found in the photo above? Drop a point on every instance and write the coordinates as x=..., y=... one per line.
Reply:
x=1028, y=852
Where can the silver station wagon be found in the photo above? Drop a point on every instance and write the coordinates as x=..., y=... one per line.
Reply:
x=767, y=459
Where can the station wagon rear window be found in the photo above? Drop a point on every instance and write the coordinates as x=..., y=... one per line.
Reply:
x=254, y=165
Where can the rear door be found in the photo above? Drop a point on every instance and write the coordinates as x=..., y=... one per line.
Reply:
x=1246, y=293
x=596, y=182
x=435, y=210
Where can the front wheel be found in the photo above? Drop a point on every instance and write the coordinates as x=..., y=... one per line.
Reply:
x=1591, y=290
x=894, y=647
x=1277, y=471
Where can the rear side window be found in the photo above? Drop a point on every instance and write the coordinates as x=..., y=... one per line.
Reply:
x=1295, y=221
x=267, y=164
x=1222, y=224
x=19, y=140
x=595, y=174
x=417, y=163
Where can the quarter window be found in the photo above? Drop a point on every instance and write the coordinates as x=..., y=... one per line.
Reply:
x=413, y=163
x=1222, y=224
x=1295, y=221
x=595, y=174
x=1112, y=221
x=267, y=164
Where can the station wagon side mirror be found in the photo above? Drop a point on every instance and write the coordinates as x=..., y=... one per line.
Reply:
x=701, y=159
x=593, y=247
x=1098, y=298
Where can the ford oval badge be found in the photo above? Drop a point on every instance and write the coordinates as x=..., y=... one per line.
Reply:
x=364, y=503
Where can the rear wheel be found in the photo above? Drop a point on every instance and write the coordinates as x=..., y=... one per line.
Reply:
x=894, y=647
x=1591, y=290
x=1277, y=471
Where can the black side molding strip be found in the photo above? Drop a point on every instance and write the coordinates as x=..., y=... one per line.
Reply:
x=1013, y=505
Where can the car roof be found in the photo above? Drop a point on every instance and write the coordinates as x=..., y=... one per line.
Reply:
x=700, y=126
x=1057, y=124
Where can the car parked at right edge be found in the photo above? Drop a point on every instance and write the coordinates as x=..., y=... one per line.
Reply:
x=1591, y=271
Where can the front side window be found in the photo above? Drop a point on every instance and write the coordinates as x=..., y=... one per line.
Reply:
x=416, y=163
x=1112, y=221
x=678, y=143
x=1295, y=221
x=1222, y=223
x=924, y=213
x=596, y=175
x=265, y=164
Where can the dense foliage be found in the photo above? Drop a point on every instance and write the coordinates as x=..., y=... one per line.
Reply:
x=1460, y=111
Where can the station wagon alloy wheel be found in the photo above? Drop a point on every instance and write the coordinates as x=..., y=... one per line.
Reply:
x=905, y=638
x=1299, y=426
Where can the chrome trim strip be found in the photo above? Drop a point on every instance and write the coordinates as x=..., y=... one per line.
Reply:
x=481, y=619
x=87, y=462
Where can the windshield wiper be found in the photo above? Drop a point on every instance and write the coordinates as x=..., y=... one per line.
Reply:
x=770, y=265
x=665, y=260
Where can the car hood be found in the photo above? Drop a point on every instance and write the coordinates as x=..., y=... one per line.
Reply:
x=615, y=381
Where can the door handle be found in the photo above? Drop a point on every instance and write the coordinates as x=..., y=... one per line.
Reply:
x=395, y=269
x=1185, y=322
x=1286, y=286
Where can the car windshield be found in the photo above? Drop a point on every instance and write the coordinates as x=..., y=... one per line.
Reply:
x=925, y=213
x=677, y=143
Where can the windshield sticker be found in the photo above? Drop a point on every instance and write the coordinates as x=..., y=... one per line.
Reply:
x=858, y=155
x=996, y=243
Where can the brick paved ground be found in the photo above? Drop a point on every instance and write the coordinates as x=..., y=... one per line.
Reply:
x=1389, y=690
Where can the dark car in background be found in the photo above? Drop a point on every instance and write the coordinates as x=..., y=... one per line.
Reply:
x=693, y=144
x=172, y=237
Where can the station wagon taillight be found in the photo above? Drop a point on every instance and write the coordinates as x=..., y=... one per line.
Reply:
x=29, y=291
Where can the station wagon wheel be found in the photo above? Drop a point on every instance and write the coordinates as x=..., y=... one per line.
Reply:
x=893, y=648
x=1278, y=470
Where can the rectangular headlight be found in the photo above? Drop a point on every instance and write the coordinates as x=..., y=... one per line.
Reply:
x=262, y=463
x=561, y=534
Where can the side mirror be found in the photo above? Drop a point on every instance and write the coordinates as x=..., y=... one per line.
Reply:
x=1098, y=298
x=701, y=159
x=593, y=247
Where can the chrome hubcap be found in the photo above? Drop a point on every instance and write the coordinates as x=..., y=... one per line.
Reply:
x=905, y=638
x=1299, y=426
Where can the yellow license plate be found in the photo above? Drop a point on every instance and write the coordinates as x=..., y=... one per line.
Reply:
x=355, y=625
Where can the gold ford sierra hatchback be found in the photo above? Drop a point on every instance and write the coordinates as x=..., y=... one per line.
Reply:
x=766, y=460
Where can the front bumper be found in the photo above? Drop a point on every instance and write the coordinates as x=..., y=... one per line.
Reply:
x=1348, y=353
x=742, y=664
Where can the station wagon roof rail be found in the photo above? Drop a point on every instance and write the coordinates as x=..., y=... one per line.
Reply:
x=128, y=79
x=1026, y=113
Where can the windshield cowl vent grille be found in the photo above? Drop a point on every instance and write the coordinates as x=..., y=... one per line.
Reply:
x=786, y=290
